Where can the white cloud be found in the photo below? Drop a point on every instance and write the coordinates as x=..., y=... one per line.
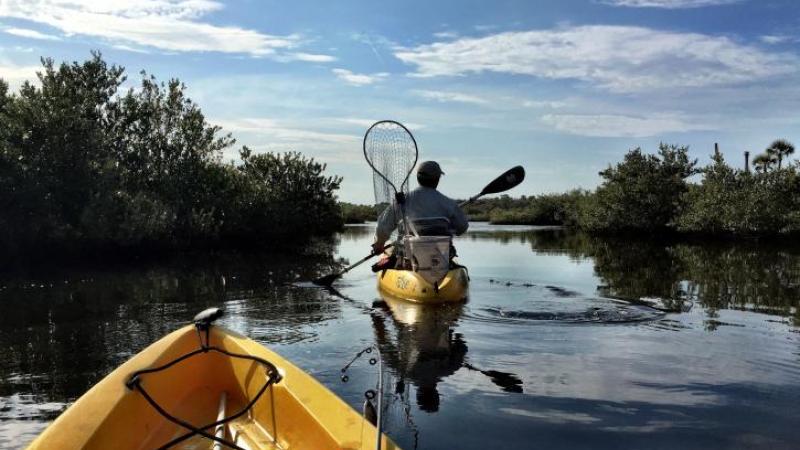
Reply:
x=170, y=25
x=446, y=35
x=443, y=96
x=609, y=125
x=15, y=75
x=128, y=48
x=33, y=34
x=554, y=104
x=262, y=134
x=615, y=58
x=669, y=4
x=283, y=133
x=776, y=39
x=358, y=79
x=312, y=57
x=366, y=123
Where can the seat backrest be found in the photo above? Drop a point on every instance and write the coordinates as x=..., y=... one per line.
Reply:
x=432, y=226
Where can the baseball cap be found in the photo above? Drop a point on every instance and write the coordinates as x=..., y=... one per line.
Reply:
x=429, y=168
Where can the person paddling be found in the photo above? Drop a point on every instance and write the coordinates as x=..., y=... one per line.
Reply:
x=429, y=211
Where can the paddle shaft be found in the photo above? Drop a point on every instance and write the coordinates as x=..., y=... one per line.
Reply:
x=470, y=200
x=361, y=261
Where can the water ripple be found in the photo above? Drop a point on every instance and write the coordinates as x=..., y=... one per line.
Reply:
x=613, y=314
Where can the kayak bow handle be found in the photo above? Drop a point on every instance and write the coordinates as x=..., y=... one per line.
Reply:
x=208, y=316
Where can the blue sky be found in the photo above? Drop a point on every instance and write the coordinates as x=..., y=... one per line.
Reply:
x=561, y=87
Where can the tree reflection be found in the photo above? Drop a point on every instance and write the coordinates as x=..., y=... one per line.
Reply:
x=754, y=276
x=64, y=328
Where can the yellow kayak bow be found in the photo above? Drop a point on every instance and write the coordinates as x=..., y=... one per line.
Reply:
x=226, y=392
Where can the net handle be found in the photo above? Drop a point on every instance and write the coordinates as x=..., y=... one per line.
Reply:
x=416, y=153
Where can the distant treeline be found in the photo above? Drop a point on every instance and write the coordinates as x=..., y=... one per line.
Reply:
x=534, y=210
x=667, y=192
x=547, y=209
x=352, y=213
x=83, y=166
x=653, y=194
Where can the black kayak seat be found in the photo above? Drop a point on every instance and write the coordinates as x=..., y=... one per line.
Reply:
x=432, y=226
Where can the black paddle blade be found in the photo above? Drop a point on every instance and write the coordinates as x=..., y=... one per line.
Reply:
x=327, y=280
x=506, y=181
x=507, y=381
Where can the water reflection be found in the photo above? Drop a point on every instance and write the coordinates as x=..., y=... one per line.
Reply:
x=753, y=276
x=64, y=329
x=567, y=341
x=424, y=349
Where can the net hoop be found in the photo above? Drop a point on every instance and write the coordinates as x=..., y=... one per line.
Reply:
x=375, y=169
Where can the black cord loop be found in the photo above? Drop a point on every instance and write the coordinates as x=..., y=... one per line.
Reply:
x=135, y=383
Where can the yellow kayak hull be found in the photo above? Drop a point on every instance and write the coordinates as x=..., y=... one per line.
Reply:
x=410, y=286
x=295, y=413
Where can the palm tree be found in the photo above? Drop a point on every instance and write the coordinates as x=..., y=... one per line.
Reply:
x=763, y=162
x=780, y=148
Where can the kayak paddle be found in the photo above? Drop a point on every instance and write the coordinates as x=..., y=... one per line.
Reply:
x=327, y=280
x=511, y=178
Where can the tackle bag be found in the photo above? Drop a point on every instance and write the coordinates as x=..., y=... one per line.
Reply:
x=429, y=255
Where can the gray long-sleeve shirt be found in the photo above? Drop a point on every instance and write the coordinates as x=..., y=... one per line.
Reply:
x=422, y=202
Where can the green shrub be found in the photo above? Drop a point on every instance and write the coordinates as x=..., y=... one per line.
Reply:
x=81, y=165
x=352, y=213
x=546, y=209
x=287, y=193
x=735, y=202
x=643, y=193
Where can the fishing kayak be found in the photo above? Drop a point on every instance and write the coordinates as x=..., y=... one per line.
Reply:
x=205, y=387
x=410, y=286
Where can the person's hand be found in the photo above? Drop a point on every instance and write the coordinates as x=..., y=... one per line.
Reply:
x=377, y=247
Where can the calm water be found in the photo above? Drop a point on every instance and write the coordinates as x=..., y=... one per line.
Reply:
x=566, y=341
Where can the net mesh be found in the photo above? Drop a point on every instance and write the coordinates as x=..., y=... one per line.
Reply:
x=391, y=151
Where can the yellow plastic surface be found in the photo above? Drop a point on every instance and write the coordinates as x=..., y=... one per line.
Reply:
x=296, y=413
x=410, y=286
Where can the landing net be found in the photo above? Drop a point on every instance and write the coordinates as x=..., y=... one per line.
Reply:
x=391, y=151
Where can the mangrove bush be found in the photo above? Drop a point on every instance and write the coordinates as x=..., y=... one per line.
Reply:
x=83, y=165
